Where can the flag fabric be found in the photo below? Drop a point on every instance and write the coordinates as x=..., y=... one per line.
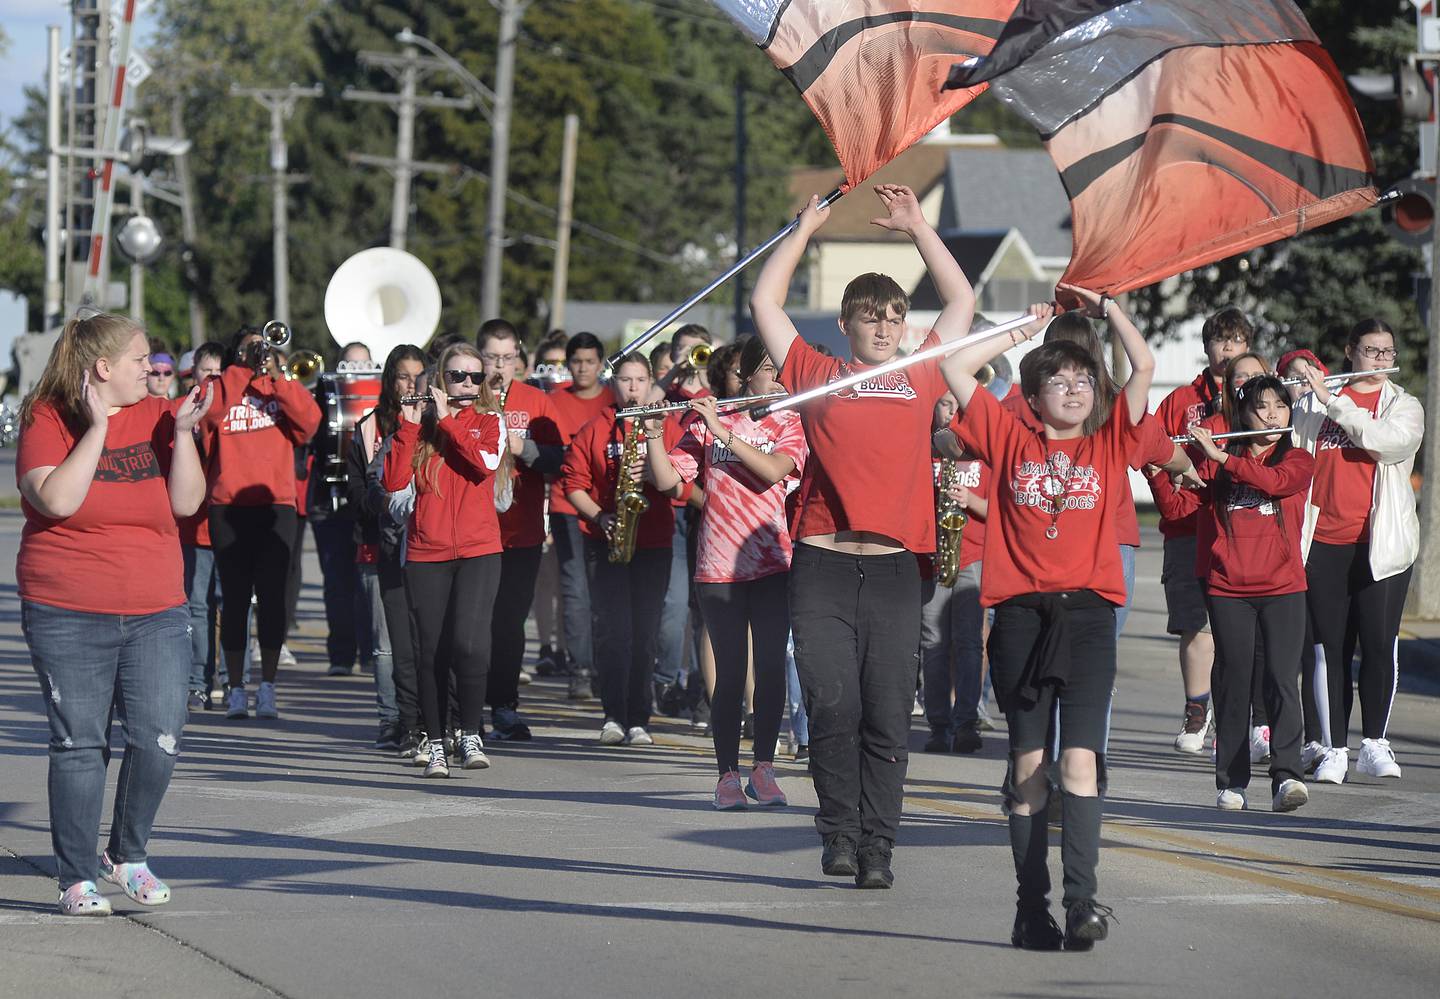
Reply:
x=873, y=71
x=1184, y=131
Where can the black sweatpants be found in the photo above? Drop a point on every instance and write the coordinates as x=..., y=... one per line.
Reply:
x=450, y=607
x=757, y=610
x=1280, y=624
x=253, y=551
x=519, y=568
x=625, y=605
x=1343, y=593
x=856, y=621
x=402, y=640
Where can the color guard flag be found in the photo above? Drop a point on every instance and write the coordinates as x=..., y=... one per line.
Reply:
x=1185, y=131
x=873, y=71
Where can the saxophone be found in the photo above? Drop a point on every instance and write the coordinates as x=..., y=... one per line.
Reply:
x=630, y=502
x=950, y=523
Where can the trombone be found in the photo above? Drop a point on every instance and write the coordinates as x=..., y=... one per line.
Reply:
x=304, y=365
x=699, y=356
x=721, y=405
x=1341, y=377
x=1235, y=435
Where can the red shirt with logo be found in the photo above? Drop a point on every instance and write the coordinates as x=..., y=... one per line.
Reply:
x=455, y=496
x=1344, y=479
x=1181, y=410
x=743, y=533
x=572, y=412
x=194, y=530
x=120, y=552
x=250, y=433
x=1073, y=486
x=529, y=415
x=869, y=468
x=592, y=466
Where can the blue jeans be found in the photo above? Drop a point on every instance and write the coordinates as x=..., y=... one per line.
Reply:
x=574, y=590
x=799, y=723
x=92, y=667
x=202, y=589
x=379, y=640
x=670, y=653
x=952, y=618
x=1127, y=564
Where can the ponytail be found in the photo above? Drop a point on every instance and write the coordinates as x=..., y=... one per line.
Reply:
x=83, y=341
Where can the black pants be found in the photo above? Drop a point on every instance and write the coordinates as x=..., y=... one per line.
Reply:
x=1342, y=594
x=295, y=578
x=402, y=641
x=1280, y=622
x=450, y=607
x=252, y=547
x=335, y=547
x=625, y=605
x=757, y=609
x=856, y=620
x=519, y=568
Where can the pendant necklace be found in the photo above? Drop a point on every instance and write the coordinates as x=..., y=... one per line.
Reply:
x=1056, y=488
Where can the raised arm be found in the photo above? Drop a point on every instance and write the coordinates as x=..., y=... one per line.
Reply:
x=186, y=483
x=959, y=367
x=772, y=287
x=1137, y=351
x=957, y=297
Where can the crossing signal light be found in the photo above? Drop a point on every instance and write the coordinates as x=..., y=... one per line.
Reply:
x=1411, y=216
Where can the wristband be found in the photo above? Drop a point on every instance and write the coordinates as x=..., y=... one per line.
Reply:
x=1105, y=302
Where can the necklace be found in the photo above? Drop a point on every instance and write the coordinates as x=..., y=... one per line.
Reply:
x=1056, y=488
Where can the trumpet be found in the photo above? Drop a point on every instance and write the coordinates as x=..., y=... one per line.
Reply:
x=722, y=405
x=1235, y=435
x=273, y=336
x=1341, y=377
x=304, y=365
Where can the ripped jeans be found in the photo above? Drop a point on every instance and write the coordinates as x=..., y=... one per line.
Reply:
x=93, y=667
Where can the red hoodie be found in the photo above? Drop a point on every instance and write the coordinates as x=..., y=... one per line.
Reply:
x=529, y=414
x=1259, y=556
x=592, y=467
x=455, y=510
x=1181, y=410
x=249, y=436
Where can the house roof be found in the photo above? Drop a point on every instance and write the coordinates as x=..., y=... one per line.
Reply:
x=990, y=189
x=919, y=168
x=973, y=251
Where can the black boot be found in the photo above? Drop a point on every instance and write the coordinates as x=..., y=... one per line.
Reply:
x=874, y=859
x=1029, y=841
x=839, y=858
x=1035, y=929
x=1085, y=923
x=1080, y=856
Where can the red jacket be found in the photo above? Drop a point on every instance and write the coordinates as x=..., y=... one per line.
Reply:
x=455, y=510
x=1259, y=555
x=249, y=436
x=572, y=413
x=1182, y=409
x=593, y=465
x=531, y=415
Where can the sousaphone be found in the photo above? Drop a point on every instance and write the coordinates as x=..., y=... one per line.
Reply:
x=382, y=297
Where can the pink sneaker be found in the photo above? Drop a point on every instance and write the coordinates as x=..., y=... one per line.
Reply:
x=728, y=795
x=762, y=786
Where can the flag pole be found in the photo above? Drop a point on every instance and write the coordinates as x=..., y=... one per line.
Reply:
x=898, y=363
x=700, y=295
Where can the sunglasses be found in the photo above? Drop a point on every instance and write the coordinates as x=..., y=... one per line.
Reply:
x=461, y=377
x=161, y=372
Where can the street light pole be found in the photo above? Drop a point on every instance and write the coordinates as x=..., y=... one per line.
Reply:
x=510, y=13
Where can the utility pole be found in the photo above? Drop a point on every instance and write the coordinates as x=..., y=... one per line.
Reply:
x=281, y=105
x=407, y=67
x=558, y=288
x=188, y=230
x=137, y=269
x=742, y=143
x=1426, y=598
x=54, y=285
x=511, y=11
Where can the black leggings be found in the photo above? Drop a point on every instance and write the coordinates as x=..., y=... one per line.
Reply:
x=402, y=640
x=450, y=608
x=253, y=550
x=757, y=610
x=519, y=568
x=1280, y=622
x=1343, y=593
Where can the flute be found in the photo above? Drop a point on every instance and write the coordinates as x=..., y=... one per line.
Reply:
x=423, y=400
x=1236, y=435
x=1342, y=376
x=721, y=405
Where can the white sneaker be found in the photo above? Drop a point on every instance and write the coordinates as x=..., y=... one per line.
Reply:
x=637, y=736
x=237, y=703
x=1290, y=796
x=1230, y=800
x=287, y=658
x=611, y=734
x=1259, y=743
x=438, y=765
x=1310, y=756
x=1377, y=759
x=265, y=701
x=526, y=677
x=1332, y=766
x=472, y=752
x=1195, y=728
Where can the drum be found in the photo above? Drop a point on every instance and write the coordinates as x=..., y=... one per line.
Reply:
x=345, y=396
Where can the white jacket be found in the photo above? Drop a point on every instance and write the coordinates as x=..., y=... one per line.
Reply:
x=1392, y=437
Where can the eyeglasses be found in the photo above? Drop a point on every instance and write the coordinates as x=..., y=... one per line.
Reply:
x=499, y=358
x=167, y=372
x=1083, y=385
x=1380, y=353
x=461, y=377
x=1235, y=338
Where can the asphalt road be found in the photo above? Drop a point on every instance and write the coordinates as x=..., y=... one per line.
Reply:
x=305, y=864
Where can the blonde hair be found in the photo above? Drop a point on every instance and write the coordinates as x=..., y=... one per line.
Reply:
x=84, y=340
x=426, y=470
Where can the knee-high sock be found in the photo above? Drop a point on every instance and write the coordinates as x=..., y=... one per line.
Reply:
x=1080, y=844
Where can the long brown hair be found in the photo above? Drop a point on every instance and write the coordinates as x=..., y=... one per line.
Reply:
x=387, y=409
x=427, y=471
x=83, y=341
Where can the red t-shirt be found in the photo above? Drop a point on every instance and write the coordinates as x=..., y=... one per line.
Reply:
x=1181, y=410
x=572, y=413
x=530, y=415
x=250, y=434
x=592, y=466
x=1344, y=479
x=869, y=468
x=743, y=533
x=194, y=530
x=120, y=552
x=455, y=499
x=1032, y=475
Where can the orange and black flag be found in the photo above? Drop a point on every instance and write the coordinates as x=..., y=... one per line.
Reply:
x=1185, y=131
x=873, y=71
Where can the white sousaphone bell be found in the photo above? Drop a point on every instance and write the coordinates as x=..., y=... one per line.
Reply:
x=382, y=297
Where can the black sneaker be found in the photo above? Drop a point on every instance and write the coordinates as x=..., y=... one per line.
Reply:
x=508, y=726
x=669, y=699
x=802, y=754
x=1085, y=924
x=548, y=662
x=874, y=859
x=1036, y=929
x=939, y=742
x=452, y=742
x=747, y=727
x=839, y=858
x=700, y=715
x=411, y=743
x=389, y=736
x=967, y=739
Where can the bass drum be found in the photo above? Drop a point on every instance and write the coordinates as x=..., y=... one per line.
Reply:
x=344, y=396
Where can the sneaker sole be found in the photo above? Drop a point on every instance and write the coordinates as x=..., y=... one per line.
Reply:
x=874, y=880
x=473, y=764
x=431, y=775
x=777, y=802
x=612, y=741
x=841, y=869
x=1230, y=806
x=1329, y=780
x=736, y=806
x=1375, y=773
x=1293, y=799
